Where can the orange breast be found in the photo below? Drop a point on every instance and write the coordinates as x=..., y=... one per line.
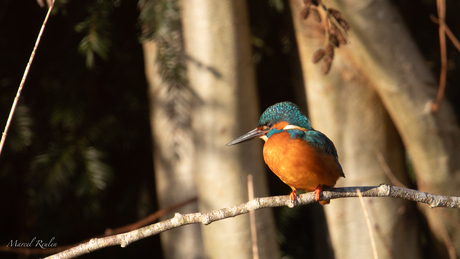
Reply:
x=298, y=164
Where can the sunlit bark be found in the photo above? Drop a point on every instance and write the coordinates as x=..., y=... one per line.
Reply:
x=221, y=72
x=173, y=158
x=346, y=106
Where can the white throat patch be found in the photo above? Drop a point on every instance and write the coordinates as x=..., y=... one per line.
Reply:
x=288, y=127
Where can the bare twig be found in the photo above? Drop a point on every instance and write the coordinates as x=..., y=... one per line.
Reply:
x=23, y=80
x=252, y=218
x=369, y=225
x=442, y=43
x=206, y=218
x=448, y=32
x=378, y=230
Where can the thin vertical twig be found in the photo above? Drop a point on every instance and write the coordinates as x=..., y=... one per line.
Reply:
x=26, y=72
x=449, y=33
x=379, y=232
x=441, y=5
x=369, y=225
x=252, y=219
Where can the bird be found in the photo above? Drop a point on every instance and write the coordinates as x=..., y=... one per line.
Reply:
x=302, y=157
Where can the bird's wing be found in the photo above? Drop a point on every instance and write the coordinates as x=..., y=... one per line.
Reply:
x=322, y=143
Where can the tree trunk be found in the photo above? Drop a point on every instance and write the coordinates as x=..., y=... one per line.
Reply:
x=346, y=106
x=220, y=71
x=173, y=157
x=384, y=49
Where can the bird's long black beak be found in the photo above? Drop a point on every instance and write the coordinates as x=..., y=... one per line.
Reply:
x=255, y=133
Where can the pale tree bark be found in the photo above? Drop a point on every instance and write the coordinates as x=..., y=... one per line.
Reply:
x=221, y=72
x=173, y=149
x=384, y=49
x=407, y=88
x=346, y=106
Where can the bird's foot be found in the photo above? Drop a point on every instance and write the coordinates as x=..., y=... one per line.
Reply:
x=317, y=192
x=293, y=195
x=293, y=200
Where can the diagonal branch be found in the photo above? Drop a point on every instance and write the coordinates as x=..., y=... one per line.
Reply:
x=206, y=218
x=449, y=33
x=442, y=43
x=369, y=225
x=23, y=80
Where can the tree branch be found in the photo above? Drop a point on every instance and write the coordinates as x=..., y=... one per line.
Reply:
x=206, y=218
x=441, y=6
x=24, y=76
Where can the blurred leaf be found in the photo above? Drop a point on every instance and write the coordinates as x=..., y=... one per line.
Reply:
x=144, y=205
x=66, y=150
x=97, y=28
x=51, y=174
x=410, y=169
x=55, y=172
x=148, y=18
x=67, y=116
x=20, y=133
x=161, y=23
x=277, y=4
x=97, y=173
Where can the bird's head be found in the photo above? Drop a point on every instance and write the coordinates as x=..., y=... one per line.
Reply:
x=276, y=118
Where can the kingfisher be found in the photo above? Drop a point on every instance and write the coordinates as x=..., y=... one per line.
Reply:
x=303, y=158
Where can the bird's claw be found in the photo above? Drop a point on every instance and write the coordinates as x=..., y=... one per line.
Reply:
x=293, y=195
x=317, y=192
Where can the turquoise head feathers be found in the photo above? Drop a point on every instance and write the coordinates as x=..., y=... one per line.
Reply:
x=285, y=111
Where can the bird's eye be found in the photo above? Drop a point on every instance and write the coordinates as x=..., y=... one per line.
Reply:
x=267, y=126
